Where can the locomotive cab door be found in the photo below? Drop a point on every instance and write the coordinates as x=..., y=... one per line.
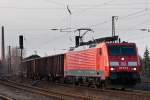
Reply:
x=101, y=63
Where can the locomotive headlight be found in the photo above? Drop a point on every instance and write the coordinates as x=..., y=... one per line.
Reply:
x=134, y=69
x=112, y=69
x=132, y=63
x=114, y=63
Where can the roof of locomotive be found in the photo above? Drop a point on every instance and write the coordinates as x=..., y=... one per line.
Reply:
x=122, y=43
x=115, y=44
x=98, y=45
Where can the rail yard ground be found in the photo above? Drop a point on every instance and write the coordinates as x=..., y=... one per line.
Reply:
x=17, y=94
x=90, y=93
x=145, y=86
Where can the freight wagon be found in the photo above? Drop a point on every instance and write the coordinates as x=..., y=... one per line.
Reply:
x=49, y=67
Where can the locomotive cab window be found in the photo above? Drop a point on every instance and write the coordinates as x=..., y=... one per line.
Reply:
x=122, y=50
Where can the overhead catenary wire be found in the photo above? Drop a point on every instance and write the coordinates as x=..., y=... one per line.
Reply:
x=93, y=6
x=55, y=38
x=34, y=8
x=55, y=2
x=120, y=18
x=138, y=29
x=52, y=40
x=62, y=8
x=98, y=8
x=123, y=17
x=85, y=9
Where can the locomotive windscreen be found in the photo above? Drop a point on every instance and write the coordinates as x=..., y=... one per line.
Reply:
x=122, y=50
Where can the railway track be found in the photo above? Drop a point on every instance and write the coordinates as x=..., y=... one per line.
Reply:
x=123, y=95
x=127, y=94
x=50, y=93
x=148, y=82
x=2, y=97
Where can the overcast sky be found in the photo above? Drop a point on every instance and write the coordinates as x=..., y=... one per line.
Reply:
x=35, y=18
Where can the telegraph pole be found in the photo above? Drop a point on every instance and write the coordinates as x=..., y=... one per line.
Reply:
x=3, y=45
x=9, y=59
x=113, y=24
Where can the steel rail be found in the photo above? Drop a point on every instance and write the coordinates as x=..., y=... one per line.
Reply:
x=148, y=82
x=134, y=94
x=49, y=93
x=3, y=97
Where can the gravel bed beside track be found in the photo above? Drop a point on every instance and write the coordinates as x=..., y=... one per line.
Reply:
x=49, y=93
x=145, y=86
x=17, y=94
x=103, y=94
x=4, y=97
x=95, y=93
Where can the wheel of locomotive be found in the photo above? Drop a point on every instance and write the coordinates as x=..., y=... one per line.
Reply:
x=53, y=78
x=103, y=84
x=61, y=80
x=123, y=88
x=65, y=80
x=80, y=80
x=68, y=80
x=73, y=80
x=76, y=81
x=90, y=82
x=98, y=84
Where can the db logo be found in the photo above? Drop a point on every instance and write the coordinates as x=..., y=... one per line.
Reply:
x=123, y=68
x=123, y=64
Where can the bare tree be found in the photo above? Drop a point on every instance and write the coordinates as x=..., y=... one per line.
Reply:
x=14, y=60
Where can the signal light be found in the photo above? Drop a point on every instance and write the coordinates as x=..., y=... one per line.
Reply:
x=112, y=69
x=77, y=41
x=134, y=69
x=21, y=41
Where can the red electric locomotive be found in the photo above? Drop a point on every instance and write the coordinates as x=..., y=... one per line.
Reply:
x=115, y=63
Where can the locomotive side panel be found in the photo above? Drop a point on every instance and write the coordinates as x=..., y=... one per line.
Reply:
x=103, y=60
x=81, y=63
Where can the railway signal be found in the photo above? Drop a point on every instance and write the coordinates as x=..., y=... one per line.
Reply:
x=21, y=44
x=21, y=41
